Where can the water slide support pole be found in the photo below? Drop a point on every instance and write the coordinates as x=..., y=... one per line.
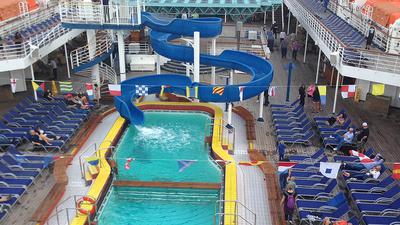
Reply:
x=319, y=59
x=196, y=57
x=92, y=43
x=261, y=108
x=121, y=55
x=67, y=60
x=273, y=15
x=139, y=12
x=158, y=63
x=213, y=52
x=305, y=48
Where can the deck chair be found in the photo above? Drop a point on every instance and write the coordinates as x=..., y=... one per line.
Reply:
x=336, y=201
x=304, y=139
x=280, y=106
x=315, y=156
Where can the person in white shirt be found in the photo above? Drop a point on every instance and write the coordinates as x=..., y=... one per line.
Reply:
x=53, y=65
x=346, y=138
x=282, y=35
x=184, y=16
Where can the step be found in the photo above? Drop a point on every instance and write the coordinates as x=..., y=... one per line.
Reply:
x=168, y=195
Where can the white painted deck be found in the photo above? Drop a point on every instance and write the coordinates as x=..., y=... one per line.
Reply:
x=76, y=185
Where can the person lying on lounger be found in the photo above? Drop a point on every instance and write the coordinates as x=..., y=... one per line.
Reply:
x=39, y=139
x=372, y=173
x=339, y=119
x=4, y=198
x=327, y=221
x=40, y=131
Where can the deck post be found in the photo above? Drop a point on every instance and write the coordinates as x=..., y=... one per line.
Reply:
x=319, y=59
x=336, y=92
x=305, y=48
x=265, y=17
x=33, y=79
x=92, y=45
x=67, y=60
x=273, y=15
x=196, y=57
x=213, y=52
x=283, y=17
x=297, y=25
x=288, y=24
x=121, y=55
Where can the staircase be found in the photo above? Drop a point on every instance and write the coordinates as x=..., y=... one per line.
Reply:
x=180, y=68
x=350, y=61
x=82, y=59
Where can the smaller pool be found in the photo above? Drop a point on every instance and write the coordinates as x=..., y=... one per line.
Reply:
x=159, y=206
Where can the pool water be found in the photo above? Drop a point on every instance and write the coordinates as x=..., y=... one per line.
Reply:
x=156, y=147
x=163, y=140
x=156, y=206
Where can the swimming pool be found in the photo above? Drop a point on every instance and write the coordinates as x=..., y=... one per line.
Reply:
x=156, y=147
x=165, y=139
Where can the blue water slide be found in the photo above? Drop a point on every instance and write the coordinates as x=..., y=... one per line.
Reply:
x=164, y=31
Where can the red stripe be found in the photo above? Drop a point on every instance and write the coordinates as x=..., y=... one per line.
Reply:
x=115, y=93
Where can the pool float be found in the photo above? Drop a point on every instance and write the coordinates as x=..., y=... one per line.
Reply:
x=86, y=205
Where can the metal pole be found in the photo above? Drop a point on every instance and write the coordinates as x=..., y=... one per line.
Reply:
x=158, y=64
x=333, y=71
x=273, y=15
x=230, y=113
x=196, y=57
x=261, y=108
x=336, y=92
x=290, y=67
x=213, y=52
x=121, y=55
x=305, y=48
x=265, y=17
x=297, y=26
x=225, y=17
x=283, y=17
x=139, y=12
x=319, y=59
x=231, y=77
x=33, y=79
x=66, y=60
x=288, y=24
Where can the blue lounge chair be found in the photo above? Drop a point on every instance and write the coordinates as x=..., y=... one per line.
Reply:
x=314, y=190
x=45, y=159
x=303, y=139
x=315, y=156
x=336, y=201
x=381, y=220
x=340, y=212
x=373, y=197
x=379, y=207
x=11, y=161
x=372, y=187
x=17, y=172
x=291, y=105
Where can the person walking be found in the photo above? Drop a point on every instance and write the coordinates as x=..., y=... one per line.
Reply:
x=302, y=94
x=274, y=29
x=370, y=37
x=284, y=46
x=53, y=65
x=282, y=35
x=270, y=41
x=295, y=49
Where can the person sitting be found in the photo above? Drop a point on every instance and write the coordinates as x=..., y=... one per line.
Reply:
x=347, y=138
x=328, y=221
x=39, y=139
x=48, y=95
x=362, y=134
x=74, y=103
x=82, y=98
x=358, y=166
x=339, y=119
x=375, y=172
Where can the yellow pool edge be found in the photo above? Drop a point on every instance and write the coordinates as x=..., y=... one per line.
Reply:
x=230, y=186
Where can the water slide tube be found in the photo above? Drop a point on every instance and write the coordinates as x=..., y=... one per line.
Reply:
x=163, y=31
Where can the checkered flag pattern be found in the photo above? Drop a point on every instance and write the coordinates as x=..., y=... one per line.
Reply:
x=141, y=90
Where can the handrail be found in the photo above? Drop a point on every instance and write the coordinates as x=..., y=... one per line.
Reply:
x=82, y=54
x=95, y=13
x=367, y=59
x=81, y=162
x=138, y=48
x=252, y=220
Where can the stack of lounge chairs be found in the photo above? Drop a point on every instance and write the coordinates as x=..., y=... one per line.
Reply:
x=330, y=135
x=292, y=124
x=53, y=117
x=18, y=172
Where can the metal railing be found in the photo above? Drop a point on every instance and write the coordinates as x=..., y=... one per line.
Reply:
x=137, y=48
x=16, y=51
x=242, y=214
x=256, y=49
x=83, y=164
x=375, y=60
x=95, y=13
x=84, y=55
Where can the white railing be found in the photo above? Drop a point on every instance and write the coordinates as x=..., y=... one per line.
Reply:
x=361, y=23
x=95, y=13
x=82, y=55
x=107, y=73
x=22, y=50
x=256, y=49
x=374, y=60
x=137, y=48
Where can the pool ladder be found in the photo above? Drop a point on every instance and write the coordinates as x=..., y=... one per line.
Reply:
x=242, y=214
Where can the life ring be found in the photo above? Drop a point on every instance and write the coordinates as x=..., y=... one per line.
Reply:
x=86, y=205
